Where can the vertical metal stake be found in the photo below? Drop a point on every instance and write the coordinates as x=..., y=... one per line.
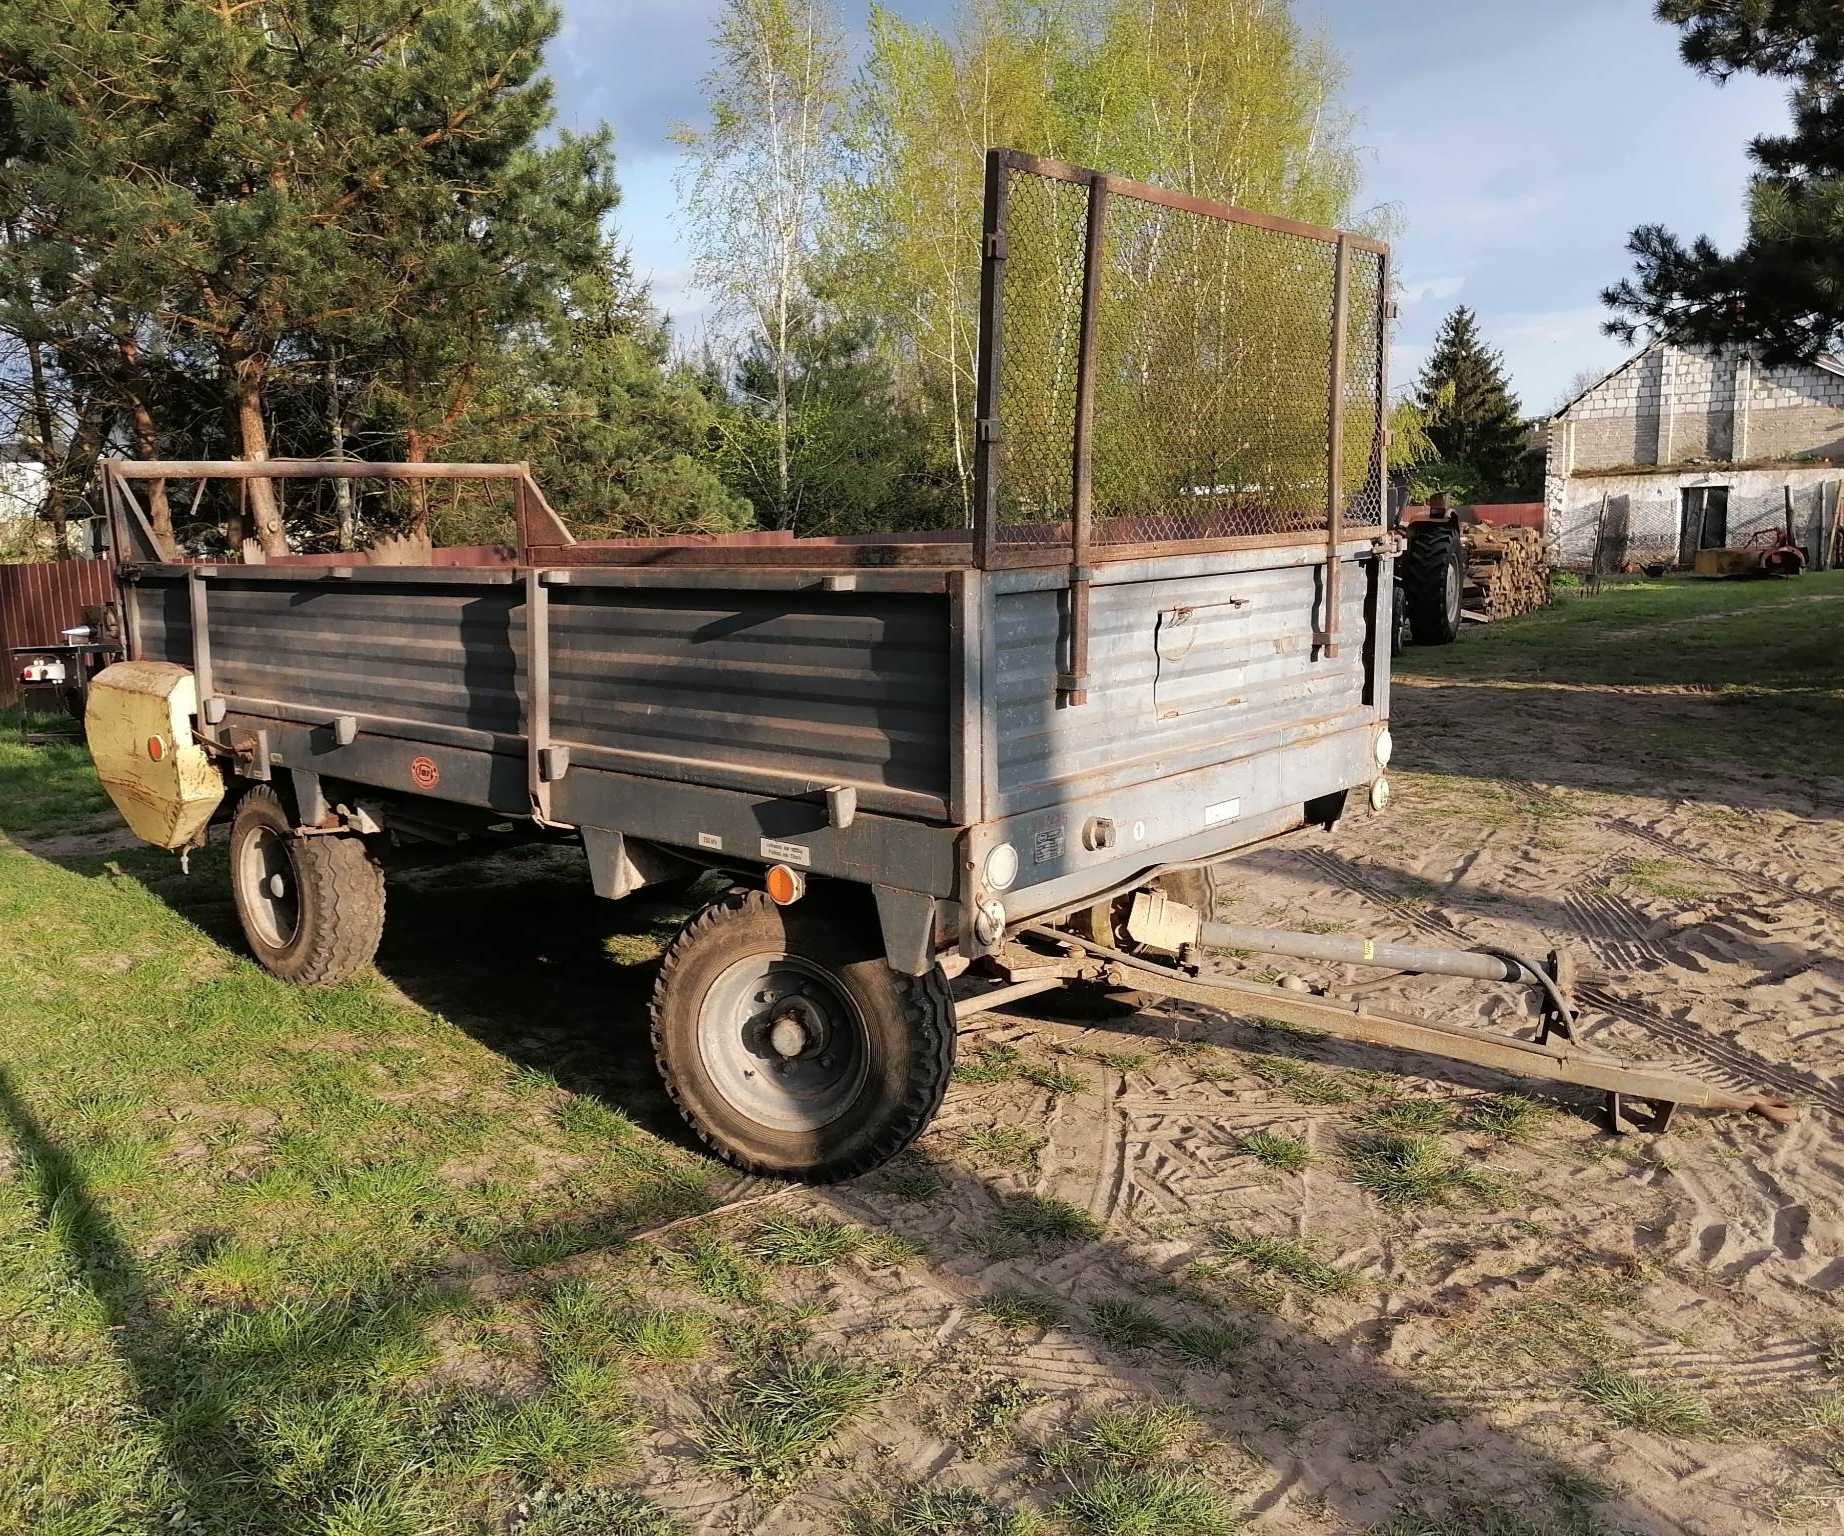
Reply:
x=1073, y=684
x=201, y=651
x=1335, y=442
x=537, y=689
x=986, y=451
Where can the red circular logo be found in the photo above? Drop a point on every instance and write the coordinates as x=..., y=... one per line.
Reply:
x=423, y=772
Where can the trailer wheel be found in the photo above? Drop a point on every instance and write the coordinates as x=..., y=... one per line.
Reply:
x=1433, y=573
x=312, y=908
x=790, y=1045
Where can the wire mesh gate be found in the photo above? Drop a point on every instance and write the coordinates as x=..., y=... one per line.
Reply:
x=1160, y=373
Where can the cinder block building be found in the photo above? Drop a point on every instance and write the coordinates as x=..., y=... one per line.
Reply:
x=1682, y=448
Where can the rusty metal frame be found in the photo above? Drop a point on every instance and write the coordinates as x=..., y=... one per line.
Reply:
x=1184, y=202
x=1082, y=960
x=1080, y=552
x=544, y=540
x=1072, y=685
x=1335, y=446
x=540, y=529
x=987, y=455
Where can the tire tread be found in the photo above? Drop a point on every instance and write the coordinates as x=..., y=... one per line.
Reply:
x=341, y=881
x=928, y=1005
x=1432, y=546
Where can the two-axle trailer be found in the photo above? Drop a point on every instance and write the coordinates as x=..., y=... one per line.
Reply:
x=1164, y=641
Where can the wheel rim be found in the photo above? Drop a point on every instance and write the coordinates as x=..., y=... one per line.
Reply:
x=1453, y=591
x=271, y=891
x=783, y=1042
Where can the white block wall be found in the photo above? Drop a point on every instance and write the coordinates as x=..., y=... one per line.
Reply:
x=1689, y=411
x=1652, y=508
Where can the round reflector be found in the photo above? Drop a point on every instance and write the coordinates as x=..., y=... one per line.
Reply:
x=785, y=886
x=156, y=749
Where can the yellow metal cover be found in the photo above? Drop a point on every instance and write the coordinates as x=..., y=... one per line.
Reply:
x=139, y=722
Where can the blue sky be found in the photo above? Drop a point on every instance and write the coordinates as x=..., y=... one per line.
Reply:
x=1516, y=144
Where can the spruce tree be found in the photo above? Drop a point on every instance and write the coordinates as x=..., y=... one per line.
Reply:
x=1474, y=419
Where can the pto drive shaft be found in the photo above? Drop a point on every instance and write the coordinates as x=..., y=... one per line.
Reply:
x=1159, y=923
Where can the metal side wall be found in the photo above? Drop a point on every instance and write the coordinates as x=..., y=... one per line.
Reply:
x=839, y=688
x=1194, y=662
x=791, y=691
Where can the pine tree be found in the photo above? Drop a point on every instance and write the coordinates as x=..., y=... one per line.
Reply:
x=1474, y=419
x=1783, y=289
x=298, y=190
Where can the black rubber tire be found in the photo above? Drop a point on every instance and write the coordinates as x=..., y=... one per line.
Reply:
x=339, y=891
x=1433, y=576
x=1399, y=634
x=909, y=1019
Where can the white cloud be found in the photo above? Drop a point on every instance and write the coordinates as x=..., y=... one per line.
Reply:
x=1545, y=349
x=1421, y=290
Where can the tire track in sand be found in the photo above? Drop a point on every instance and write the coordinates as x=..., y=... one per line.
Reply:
x=1736, y=1064
x=1764, y=885
x=1616, y=932
x=1410, y=914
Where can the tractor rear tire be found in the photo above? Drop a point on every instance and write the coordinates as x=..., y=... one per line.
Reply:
x=312, y=908
x=790, y=1045
x=1433, y=574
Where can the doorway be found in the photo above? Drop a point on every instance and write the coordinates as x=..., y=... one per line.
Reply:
x=1703, y=521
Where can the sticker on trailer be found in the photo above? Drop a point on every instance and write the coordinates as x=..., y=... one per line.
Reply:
x=1047, y=846
x=1222, y=811
x=787, y=853
x=710, y=840
x=424, y=773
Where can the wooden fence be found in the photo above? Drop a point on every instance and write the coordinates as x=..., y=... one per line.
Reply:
x=39, y=602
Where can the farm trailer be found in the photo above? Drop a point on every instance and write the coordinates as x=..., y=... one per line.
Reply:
x=1017, y=752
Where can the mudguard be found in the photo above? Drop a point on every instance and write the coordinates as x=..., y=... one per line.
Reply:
x=139, y=724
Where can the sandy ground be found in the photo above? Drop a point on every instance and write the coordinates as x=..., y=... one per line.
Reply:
x=1444, y=1378
x=1706, y=918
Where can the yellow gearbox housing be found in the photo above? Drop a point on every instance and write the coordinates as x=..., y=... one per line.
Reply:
x=139, y=723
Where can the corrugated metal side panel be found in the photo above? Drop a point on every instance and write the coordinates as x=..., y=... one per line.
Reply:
x=157, y=610
x=39, y=601
x=835, y=688
x=1184, y=673
x=427, y=654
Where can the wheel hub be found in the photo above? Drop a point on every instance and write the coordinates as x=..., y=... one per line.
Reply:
x=783, y=1041
x=265, y=871
x=788, y=1036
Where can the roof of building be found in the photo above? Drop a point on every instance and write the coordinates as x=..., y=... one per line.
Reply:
x=1826, y=361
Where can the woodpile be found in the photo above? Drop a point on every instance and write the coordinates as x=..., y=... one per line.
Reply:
x=1507, y=571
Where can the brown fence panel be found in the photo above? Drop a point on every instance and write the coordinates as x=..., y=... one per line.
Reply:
x=39, y=602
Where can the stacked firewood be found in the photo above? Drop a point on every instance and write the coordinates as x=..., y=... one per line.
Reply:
x=1507, y=571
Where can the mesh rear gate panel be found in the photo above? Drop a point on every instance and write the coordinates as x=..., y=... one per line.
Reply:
x=1212, y=392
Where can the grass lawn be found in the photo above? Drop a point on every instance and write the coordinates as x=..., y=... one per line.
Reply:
x=276, y=1260
x=428, y=1252
x=1772, y=650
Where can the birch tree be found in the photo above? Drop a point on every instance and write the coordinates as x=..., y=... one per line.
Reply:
x=755, y=179
x=1225, y=99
